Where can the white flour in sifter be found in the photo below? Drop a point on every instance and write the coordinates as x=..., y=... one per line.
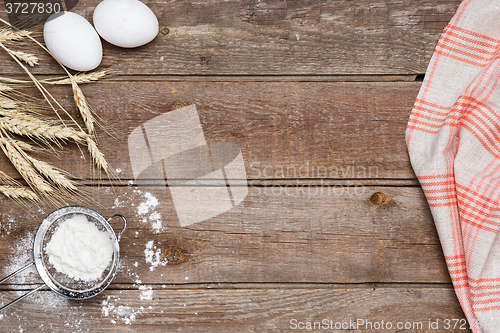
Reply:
x=79, y=250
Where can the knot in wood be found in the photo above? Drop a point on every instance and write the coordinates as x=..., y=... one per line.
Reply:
x=178, y=105
x=379, y=198
x=174, y=256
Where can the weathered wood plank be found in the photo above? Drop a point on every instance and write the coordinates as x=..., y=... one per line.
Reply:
x=278, y=234
x=214, y=37
x=239, y=310
x=286, y=130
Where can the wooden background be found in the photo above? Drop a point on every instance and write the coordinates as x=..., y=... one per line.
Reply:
x=295, y=84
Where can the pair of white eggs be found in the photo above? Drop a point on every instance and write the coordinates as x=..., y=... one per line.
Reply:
x=75, y=43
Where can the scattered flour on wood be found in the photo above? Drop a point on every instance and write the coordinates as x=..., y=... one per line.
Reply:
x=153, y=256
x=145, y=210
x=146, y=293
x=155, y=219
x=8, y=223
x=132, y=272
x=21, y=255
x=149, y=204
x=124, y=313
x=71, y=315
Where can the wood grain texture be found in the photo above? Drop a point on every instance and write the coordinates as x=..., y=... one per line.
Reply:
x=285, y=130
x=250, y=37
x=278, y=235
x=237, y=310
x=334, y=226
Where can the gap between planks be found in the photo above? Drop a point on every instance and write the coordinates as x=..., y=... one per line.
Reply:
x=247, y=78
x=350, y=182
x=254, y=286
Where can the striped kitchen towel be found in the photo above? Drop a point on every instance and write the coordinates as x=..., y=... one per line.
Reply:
x=453, y=139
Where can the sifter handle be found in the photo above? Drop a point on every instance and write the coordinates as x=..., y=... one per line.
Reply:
x=124, y=224
x=23, y=296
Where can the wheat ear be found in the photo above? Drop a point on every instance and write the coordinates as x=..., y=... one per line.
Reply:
x=5, y=179
x=7, y=103
x=51, y=173
x=15, y=192
x=97, y=155
x=9, y=34
x=13, y=189
x=40, y=130
x=4, y=87
x=25, y=168
x=28, y=58
x=23, y=145
x=79, y=78
x=83, y=106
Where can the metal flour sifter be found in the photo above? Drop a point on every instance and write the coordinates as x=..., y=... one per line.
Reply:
x=61, y=283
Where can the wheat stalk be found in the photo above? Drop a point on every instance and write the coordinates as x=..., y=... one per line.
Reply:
x=18, y=118
x=46, y=95
x=13, y=189
x=28, y=58
x=17, y=113
x=17, y=192
x=77, y=93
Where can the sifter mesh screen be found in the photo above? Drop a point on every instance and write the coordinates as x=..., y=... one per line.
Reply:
x=62, y=280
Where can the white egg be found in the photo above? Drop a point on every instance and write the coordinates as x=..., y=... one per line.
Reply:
x=73, y=41
x=125, y=23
